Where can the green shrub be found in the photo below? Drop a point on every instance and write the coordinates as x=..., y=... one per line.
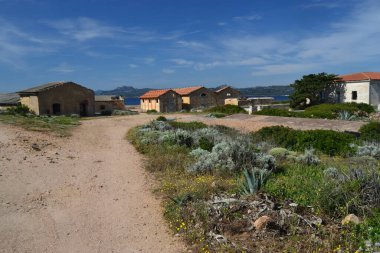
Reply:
x=20, y=109
x=151, y=111
x=161, y=118
x=205, y=144
x=124, y=112
x=370, y=132
x=193, y=125
x=277, y=112
x=254, y=179
x=279, y=152
x=327, y=141
x=331, y=111
x=226, y=109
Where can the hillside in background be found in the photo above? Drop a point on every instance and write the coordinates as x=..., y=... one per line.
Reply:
x=130, y=92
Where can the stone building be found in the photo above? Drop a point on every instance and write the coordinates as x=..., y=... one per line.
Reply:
x=161, y=101
x=196, y=97
x=226, y=92
x=59, y=98
x=363, y=87
x=105, y=104
x=9, y=100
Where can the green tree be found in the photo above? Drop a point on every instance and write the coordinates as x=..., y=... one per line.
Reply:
x=314, y=89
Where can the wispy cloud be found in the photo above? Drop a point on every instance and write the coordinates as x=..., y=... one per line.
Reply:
x=63, y=68
x=15, y=44
x=83, y=28
x=249, y=17
x=323, y=4
x=352, y=40
x=168, y=71
x=132, y=66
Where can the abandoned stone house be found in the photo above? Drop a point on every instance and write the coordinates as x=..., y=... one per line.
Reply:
x=363, y=87
x=59, y=98
x=226, y=92
x=105, y=104
x=8, y=100
x=161, y=101
x=196, y=97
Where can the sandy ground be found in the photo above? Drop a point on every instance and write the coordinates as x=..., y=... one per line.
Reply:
x=89, y=192
x=86, y=193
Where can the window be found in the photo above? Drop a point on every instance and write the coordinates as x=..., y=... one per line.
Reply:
x=228, y=94
x=156, y=100
x=56, y=109
x=354, y=95
x=102, y=107
x=203, y=95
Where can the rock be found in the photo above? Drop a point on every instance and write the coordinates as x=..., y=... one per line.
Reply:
x=261, y=222
x=293, y=204
x=36, y=147
x=351, y=218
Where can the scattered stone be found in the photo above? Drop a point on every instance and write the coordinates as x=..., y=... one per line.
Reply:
x=293, y=204
x=351, y=218
x=36, y=147
x=261, y=222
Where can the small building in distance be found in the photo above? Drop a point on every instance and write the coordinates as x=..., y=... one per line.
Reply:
x=8, y=100
x=105, y=104
x=59, y=98
x=196, y=97
x=363, y=87
x=161, y=101
x=226, y=92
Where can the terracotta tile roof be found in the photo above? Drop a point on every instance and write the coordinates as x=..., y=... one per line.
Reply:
x=155, y=93
x=361, y=76
x=187, y=90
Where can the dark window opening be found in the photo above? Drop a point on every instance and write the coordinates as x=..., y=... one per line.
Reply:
x=157, y=100
x=203, y=95
x=102, y=107
x=56, y=109
x=354, y=95
x=338, y=96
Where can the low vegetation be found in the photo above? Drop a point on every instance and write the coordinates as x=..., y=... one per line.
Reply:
x=22, y=116
x=343, y=111
x=218, y=183
x=226, y=109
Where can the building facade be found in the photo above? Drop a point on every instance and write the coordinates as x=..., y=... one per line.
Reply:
x=363, y=87
x=196, y=97
x=161, y=101
x=105, y=104
x=224, y=93
x=59, y=98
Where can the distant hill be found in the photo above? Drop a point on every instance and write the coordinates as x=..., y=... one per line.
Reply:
x=130, y=92
x=126, y=91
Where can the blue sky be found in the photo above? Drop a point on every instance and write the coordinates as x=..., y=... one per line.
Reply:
x=103, y=44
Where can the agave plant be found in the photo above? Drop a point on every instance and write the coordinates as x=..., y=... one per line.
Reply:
x=345, y=115
x=253, y=180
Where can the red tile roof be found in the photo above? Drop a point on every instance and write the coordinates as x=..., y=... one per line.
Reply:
x=187, y=90
x=361, y=76
x=155, y=93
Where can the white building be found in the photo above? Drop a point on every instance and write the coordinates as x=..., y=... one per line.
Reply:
x=363, y=87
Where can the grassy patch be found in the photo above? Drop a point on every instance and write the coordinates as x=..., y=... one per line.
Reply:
x=226, y=109
x=324, y=111
x=60, y=125
x=326, y=141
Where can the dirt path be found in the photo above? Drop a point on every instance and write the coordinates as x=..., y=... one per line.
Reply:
x=86, y=193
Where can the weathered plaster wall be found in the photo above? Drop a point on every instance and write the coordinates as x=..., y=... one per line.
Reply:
x=363, y=91
x=32, y=103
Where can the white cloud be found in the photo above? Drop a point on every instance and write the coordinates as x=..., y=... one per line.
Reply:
x=63, y=68
x=16, y=44
x=249, y=17
x=182, y=62
x=168, y=71
x=83, y=28
x=132, y=66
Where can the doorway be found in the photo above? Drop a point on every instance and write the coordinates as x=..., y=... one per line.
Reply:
x=56, y=109
x=83, y=109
